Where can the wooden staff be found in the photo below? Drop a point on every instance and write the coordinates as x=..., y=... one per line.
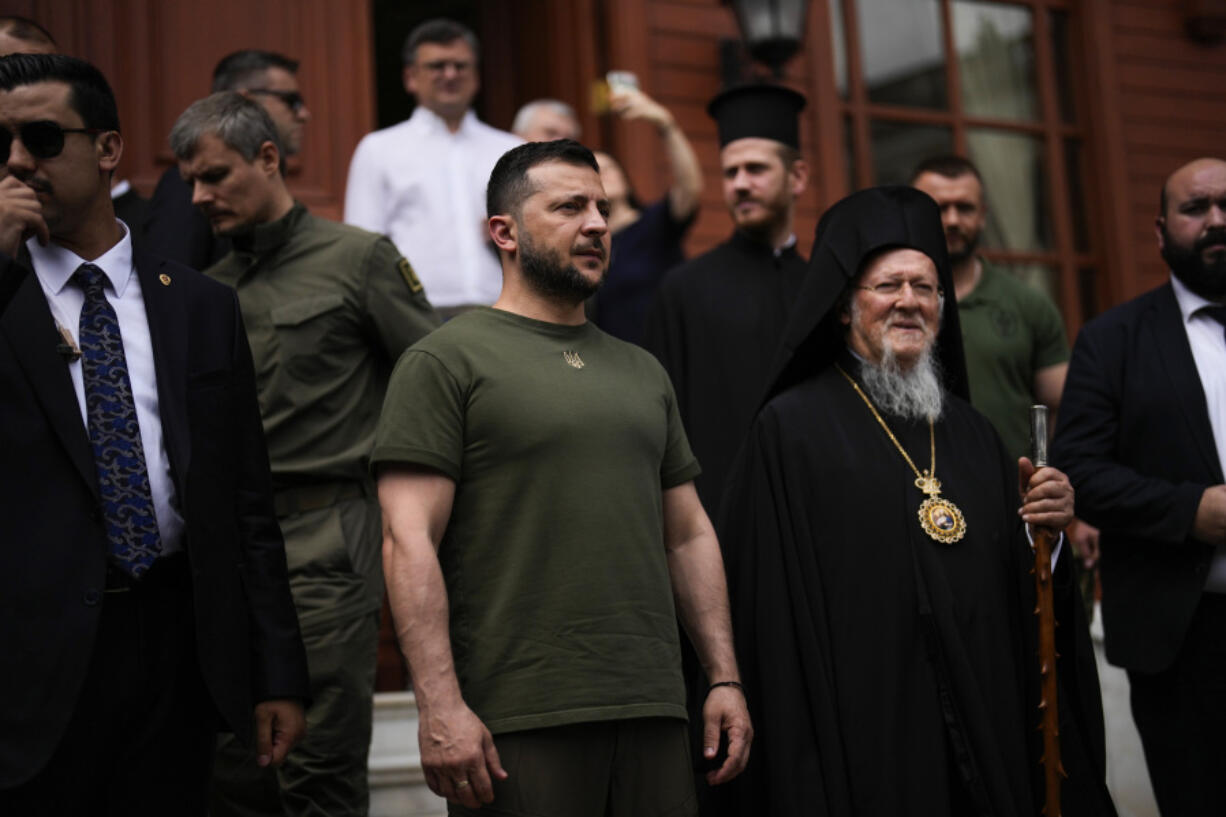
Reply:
x=1044, y=539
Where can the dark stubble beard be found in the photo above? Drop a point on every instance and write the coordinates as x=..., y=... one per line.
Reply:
x=968, y=249
x=1206, y=278
x=549, y=277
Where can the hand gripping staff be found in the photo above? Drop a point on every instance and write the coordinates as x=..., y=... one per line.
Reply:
x=1044, y=539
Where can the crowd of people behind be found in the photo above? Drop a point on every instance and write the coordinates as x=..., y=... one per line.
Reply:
x=501, y=395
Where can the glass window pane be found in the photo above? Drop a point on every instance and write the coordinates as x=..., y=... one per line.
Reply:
x=1044, y=278
x=1015, y=186
x=995, y=46
x=1058, y=21
x=838, y=46
x=902, y=52
x=1074, y=167
x=899, y=146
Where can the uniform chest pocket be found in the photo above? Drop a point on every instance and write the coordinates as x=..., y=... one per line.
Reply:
x=309, y=332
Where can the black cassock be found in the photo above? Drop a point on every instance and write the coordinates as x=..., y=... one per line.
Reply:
x=887, y=673
x=716, y=326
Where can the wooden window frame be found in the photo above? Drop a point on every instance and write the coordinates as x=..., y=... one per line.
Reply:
x=856, y=108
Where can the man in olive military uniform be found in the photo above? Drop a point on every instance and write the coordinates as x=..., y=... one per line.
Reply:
x=328, y=310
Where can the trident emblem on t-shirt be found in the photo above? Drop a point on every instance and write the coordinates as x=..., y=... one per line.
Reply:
x=572, y=357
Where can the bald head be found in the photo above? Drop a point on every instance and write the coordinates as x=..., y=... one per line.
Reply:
x=1195, y=171
x=1191, y=227
x=19, y=35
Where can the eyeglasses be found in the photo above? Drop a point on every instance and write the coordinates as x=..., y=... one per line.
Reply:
x=43, y=139
x=292, y=99
x=441, y=66
x=892, y=289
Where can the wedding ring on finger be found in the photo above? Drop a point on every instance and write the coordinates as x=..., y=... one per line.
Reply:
x=461, y=784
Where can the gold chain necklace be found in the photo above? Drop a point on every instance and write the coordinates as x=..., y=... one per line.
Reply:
x=940, y=518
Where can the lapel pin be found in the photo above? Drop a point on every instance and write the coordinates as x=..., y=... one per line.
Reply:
x=165, y=279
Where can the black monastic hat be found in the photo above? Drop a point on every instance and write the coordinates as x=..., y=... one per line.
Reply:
x=762, y=110
x=849, y=233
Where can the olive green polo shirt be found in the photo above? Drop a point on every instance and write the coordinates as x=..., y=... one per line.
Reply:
x=1010, y=330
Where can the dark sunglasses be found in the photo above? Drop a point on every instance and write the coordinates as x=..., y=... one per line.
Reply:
x=44, y=139
x=292, y=99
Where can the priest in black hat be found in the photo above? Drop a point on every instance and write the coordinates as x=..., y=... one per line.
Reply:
x=718, y=318
x=878, y=557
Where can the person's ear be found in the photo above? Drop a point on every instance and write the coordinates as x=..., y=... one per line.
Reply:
x=109, y=146
x=504, y=232
x=269, y=158
x=798, y=177
x=1160, y=231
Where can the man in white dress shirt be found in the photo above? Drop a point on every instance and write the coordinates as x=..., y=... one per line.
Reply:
x=422, y=182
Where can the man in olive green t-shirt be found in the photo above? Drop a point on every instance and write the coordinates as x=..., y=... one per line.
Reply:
x=540, y=519
x=328, y=309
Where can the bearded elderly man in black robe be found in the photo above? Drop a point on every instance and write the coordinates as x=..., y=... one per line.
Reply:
x=890, y=661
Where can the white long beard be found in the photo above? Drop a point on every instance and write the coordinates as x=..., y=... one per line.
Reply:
x=913, y=395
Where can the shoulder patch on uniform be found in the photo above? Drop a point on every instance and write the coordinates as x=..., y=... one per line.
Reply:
x=410, y=277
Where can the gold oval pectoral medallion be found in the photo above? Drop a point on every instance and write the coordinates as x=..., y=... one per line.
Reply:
x=942, y=520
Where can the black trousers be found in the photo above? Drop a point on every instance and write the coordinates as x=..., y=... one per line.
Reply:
x=1181, y=716
x=141, y=736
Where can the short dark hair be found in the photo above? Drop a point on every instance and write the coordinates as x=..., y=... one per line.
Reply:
x=441, y=31
x=509, y=184
x=235, y=70
x=949, y=166
x=23, y=28
x=90, y=95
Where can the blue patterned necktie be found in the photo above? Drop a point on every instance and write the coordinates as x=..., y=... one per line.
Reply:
x=127, y=501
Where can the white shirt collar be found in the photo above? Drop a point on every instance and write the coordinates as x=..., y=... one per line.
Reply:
x=436, y=125
x=54, y=265
x=791, y=242
x=1189, y=302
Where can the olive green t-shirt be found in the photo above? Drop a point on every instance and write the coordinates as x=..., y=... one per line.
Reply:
x=561, y=440
x=1009, y=330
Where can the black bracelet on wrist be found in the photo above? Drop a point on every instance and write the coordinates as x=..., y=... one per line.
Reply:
x=736, y=684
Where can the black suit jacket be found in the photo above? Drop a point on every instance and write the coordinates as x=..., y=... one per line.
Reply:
x=1134, y=437
x=53, y=556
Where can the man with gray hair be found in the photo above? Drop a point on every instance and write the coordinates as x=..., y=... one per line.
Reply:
x=544, y=120
x=422, y=182
x=176, y=229
x=328, y=309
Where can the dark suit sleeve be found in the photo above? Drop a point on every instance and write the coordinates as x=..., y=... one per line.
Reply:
x=278, y=659
x=1091, y=434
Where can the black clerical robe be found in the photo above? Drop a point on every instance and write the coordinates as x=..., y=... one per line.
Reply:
x=716, y=326
x=887, y=673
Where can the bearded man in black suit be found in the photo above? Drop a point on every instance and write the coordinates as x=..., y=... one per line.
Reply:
x=1142, y=435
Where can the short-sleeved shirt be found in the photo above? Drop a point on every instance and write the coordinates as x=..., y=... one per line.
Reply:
x=561, y=440
x=1010, y=330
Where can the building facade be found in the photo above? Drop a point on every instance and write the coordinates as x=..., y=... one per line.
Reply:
x=1075, y=110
